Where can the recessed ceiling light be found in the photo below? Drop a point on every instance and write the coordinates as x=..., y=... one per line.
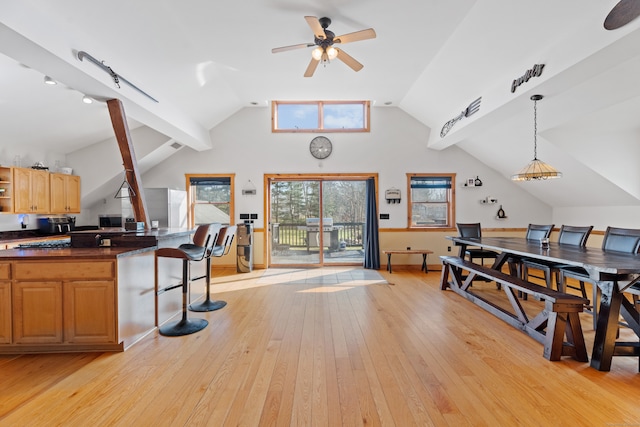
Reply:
x=388, y=103
x=49, y=81
x=87, y=100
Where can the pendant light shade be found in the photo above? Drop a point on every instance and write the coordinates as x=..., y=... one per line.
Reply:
x=536, y=170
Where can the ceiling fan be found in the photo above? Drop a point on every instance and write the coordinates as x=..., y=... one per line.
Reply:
x=324, y=40
x=622, y=13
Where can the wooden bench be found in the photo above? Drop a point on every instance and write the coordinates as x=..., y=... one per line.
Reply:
x=558, y=316
x=423, y=252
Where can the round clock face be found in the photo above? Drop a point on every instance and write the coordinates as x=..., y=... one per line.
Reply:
x=320, y=147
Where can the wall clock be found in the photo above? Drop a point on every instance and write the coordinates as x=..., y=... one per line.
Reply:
x=320, y=147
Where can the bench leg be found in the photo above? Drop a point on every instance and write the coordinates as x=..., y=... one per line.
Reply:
x=444, y=277
x=424, y=263
x=575, y=336
x=554, y=344
x=389, y=263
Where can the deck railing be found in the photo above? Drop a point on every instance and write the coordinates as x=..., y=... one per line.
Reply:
x=295, y=235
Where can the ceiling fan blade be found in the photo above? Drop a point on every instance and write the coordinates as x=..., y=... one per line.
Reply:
x=348, y=59
x=357, y=36
x=317, y=29
x=292, y=47
x=622, y=13
x=311, y=68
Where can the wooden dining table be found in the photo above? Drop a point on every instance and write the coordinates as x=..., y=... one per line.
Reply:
x=612, y=272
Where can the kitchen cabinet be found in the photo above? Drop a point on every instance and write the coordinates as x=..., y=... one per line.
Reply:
x=5, y=303
x=37, y=312
x=89, y=316
x=85, y=314
x=31, y=191
x=65, y=193
x=6, y=190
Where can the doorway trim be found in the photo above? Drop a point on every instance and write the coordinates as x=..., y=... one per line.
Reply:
x=268, y=178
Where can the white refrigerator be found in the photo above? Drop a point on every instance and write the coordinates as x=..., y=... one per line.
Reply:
x=165, y=205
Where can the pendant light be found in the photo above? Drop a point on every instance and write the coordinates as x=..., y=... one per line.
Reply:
x=536, y=170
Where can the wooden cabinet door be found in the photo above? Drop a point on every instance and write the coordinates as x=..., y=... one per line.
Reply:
x=31, y=191
x=58, y=200
x=65, y=193
x=22, y=190
x=5, y=312
x=40, y=191
x=37, y=310
x=89, y=311
x=73, y=194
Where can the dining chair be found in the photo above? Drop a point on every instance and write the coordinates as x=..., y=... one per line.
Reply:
x=535, y=232
x=569, y=235
x=474, y=230
x=623, y=240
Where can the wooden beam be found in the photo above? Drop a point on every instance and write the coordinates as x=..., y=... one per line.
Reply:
x=121, y=129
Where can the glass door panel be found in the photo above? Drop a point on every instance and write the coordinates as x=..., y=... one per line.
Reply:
x=294, y=222
x=344, y=207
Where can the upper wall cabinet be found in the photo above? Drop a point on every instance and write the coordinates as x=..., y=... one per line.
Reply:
x=31, y=191
x=6, y=190
x=25, y=190
x=65, y=193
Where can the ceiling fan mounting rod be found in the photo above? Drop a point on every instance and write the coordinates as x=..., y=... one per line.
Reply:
x=116, y=77
x=324, y=22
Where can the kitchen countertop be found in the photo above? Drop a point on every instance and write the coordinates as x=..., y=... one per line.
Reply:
x=130, y=240
x=158, y=233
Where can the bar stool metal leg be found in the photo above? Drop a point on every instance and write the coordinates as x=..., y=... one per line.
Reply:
x=208, y=304
x=184, y=326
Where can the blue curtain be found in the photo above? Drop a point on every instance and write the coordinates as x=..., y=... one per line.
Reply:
x=371, y=245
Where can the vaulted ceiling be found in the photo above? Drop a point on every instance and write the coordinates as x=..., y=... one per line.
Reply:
x=206, y=60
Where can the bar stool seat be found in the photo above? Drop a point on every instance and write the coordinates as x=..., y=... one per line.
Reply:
x=208, y=304
x=187, y=253
x=220, y=246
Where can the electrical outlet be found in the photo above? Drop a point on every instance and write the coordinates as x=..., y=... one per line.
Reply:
x=448, y=248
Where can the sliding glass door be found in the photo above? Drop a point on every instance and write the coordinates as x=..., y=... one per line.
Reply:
x=315, y=221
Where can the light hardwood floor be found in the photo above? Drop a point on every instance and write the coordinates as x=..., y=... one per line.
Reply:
x=300, y=352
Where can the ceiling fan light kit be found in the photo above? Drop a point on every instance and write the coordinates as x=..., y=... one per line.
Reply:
x=324, y=40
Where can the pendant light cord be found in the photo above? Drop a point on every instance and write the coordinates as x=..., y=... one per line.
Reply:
x=535, y=129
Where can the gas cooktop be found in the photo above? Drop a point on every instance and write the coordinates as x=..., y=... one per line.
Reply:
x=46, y=244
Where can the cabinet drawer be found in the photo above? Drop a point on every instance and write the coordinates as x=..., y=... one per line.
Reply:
x=5, y=270
x=64, y=270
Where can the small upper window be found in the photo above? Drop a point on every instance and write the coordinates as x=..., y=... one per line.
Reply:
x=325, y=116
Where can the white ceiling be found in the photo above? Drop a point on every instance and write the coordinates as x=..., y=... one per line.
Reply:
x=205, y=60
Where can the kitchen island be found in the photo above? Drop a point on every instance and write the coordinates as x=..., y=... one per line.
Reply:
x=83, y=298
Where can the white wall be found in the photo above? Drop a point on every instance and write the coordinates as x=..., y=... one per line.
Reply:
x=245, y=145
x=396, y=145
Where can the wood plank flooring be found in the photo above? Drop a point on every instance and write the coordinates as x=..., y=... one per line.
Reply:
x=325, y=347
